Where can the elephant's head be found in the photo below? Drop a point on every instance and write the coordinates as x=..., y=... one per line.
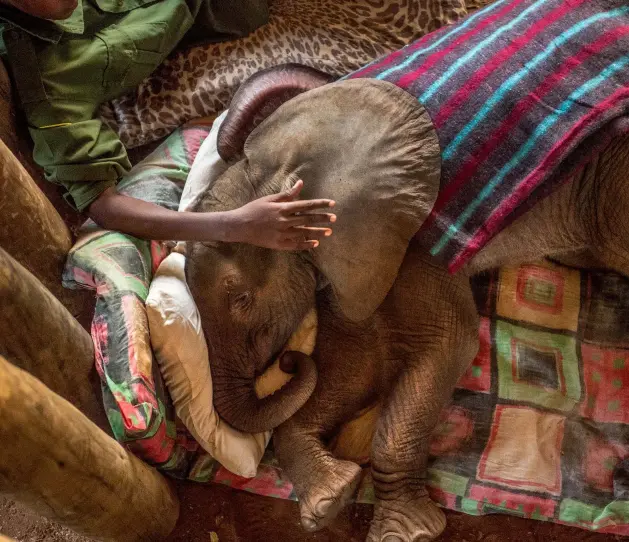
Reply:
x=366, y=144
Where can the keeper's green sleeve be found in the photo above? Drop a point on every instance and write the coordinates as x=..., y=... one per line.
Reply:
x=85, y=157
x=62, y=83
x=64, y=70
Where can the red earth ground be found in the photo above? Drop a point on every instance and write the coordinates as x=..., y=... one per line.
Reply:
x=219, y=514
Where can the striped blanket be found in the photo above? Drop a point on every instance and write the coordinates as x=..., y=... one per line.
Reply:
x=517, y=92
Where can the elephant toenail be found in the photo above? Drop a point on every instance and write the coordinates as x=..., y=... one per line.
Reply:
x=309, y=524
x=322, y=507
x=391, y=538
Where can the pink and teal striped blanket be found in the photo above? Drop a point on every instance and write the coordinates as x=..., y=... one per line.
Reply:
x=521, y=93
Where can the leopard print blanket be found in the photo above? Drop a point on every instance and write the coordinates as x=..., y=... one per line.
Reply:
x=331, y=35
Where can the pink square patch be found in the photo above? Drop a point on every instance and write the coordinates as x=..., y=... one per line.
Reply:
x=478, y=375
x=606, y=384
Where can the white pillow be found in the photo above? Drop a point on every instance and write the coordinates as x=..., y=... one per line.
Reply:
x=207, y=166
x=181, y=352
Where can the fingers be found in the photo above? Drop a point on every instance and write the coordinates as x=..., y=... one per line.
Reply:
x=290, y=244
x=295, y=217
x=310, y=219
x=290, y=194
x=291, y=206
x=303, y=238
x=302, y=206
x=308, y=234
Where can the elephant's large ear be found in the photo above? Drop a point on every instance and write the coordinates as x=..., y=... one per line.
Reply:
x=371, y=147
x=258, y=97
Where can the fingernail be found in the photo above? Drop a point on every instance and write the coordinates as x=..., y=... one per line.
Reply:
x=332, y=203
x=328, y=233
x=332, y=218
x=316, y=244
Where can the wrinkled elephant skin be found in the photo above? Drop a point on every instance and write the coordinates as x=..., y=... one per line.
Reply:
x=394, y=326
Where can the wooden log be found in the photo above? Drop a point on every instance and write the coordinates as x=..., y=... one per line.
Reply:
x=39, y=335
x=14, y=133
x=59, y=464
x=32, y=231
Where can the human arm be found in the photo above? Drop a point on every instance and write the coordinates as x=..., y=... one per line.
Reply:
x=84, y=155
x=279, y=222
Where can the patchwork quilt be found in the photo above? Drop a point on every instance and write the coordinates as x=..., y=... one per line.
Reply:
x=539, y=424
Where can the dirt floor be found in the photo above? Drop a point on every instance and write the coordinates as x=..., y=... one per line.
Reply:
x=220, y=514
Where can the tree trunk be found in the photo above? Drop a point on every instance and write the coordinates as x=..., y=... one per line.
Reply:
x=32, y=231
x=39, y=335
x=58, y=463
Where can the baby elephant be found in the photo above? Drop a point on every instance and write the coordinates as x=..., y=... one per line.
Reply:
x=409, y=356
x=501, y=139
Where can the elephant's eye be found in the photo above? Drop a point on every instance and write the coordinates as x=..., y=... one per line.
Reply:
x=240, y=300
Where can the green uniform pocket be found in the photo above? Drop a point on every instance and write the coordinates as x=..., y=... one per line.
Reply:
x=133, y=52
x=141, y=40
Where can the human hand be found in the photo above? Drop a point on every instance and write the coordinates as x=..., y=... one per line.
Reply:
x=282, y=222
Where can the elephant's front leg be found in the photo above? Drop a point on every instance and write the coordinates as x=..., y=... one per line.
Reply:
x=346, y=361
x=323, y=484
x=403, y=510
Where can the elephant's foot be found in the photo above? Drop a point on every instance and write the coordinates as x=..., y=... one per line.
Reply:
x=406, y=520
x=334, y=486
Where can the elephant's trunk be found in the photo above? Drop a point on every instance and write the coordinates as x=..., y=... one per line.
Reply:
x=258, y=97
x=237, y=403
